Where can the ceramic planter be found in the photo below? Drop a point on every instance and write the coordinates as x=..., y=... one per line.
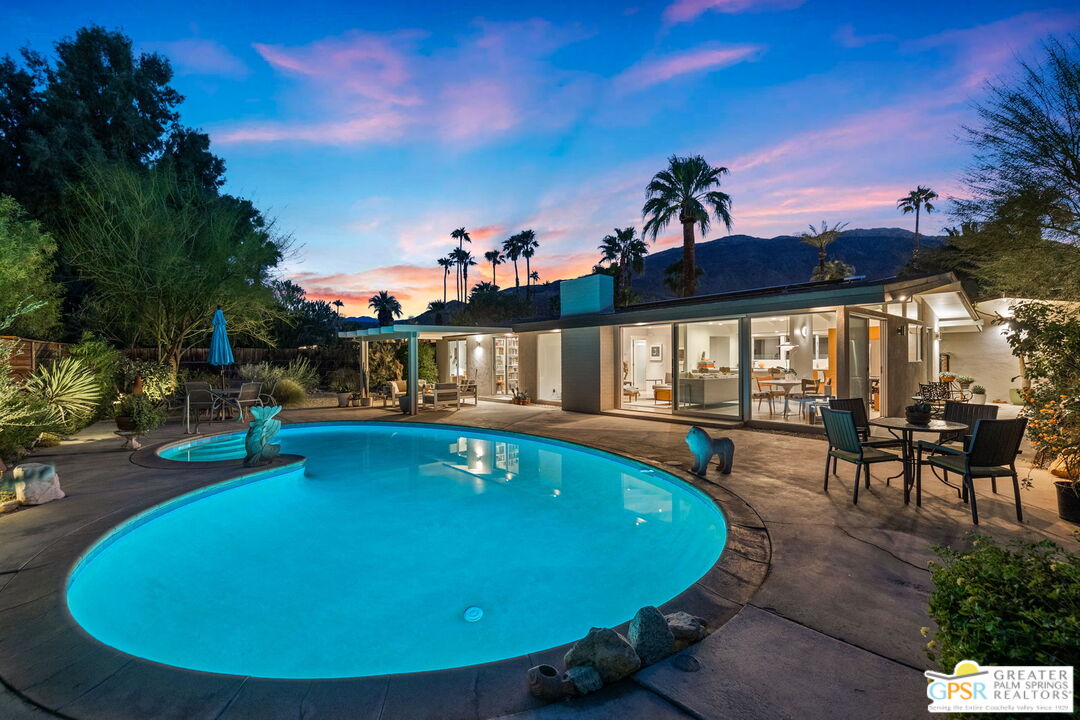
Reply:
x=125, y=424
x=978, y=399
x=1068, y=497
x=343, y=399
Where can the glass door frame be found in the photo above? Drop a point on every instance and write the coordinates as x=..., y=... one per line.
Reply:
x=745, y=345
x=620, y=357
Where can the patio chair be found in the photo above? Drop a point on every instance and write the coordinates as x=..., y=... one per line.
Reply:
x=967, y=413
x=468, y=389
x=991, y=453
x=443, y=394
x=857, y=408
x=845, y=444
x=199, y=398
x=250, y=394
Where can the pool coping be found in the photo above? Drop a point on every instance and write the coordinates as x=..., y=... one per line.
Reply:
x=146, y=688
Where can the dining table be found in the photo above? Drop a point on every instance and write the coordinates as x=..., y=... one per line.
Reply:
x=786, y=386
x=900, y=428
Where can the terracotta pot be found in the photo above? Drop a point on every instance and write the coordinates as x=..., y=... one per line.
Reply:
x=125, y=424
x=1068, y=497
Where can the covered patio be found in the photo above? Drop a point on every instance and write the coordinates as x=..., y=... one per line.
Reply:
x=412, y=335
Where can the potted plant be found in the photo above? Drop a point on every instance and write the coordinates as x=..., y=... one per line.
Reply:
x=978, y=395
x=946, y=377
x=520, y=398
x=964, y=381
x=137, y=413
x=918, y=414
x=343, y=382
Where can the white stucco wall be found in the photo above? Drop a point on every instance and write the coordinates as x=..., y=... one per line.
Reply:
x=984, y=355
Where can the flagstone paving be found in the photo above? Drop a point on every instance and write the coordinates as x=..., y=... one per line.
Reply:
x=832, y=632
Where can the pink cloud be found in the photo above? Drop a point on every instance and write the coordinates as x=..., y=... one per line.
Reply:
x=687, y=10
x=198, y=56
x=368, y=87
x=652, y=72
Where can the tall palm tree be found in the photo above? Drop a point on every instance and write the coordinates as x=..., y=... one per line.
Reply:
x=916, y=201
x=495, y=257
x=462, y=236
x=465, y=259
x=445, y=263
x=386, y=307
x=534, y=276
x=686, y=190
x=625, y=252
x=512, y=247
x=457, y=255
x=528, y=244
x=821, y=239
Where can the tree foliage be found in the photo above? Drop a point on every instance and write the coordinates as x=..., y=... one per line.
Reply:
x=301, y=322
x=624, y=252
x=27, y=293
x=161, y=254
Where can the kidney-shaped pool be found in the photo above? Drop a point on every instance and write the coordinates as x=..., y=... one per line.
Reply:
x=398, y=548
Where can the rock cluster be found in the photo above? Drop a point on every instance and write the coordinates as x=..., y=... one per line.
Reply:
x=35, y=483
x=605, y=656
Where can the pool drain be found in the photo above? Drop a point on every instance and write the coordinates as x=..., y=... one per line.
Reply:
x=473, y=614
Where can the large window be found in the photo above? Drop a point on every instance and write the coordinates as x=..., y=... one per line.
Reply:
x=645, y=375
x=709, y=368
x=794, y=365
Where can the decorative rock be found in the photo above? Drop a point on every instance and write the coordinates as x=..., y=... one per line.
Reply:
x=545, y=683
x=686, y=628
x=582, y=680
x=36, y=483
x=261, y=432
x=607, y=651
x=650, y=635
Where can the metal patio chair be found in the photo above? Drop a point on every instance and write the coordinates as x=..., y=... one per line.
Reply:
x=846, y=444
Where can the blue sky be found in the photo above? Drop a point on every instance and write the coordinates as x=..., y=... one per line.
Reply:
x=371, y=130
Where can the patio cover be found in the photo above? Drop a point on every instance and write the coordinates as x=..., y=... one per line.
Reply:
x=413, y=334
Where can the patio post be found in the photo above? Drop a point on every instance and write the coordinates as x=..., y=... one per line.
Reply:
x=364, y=368
x=413, y=371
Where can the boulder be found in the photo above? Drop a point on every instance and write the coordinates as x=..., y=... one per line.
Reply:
x=607, y=651
x=582, y=680
x=686, y=628
x=650, y=636
x=36, y=483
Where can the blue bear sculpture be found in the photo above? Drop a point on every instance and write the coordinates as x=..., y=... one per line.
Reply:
x=261, y=432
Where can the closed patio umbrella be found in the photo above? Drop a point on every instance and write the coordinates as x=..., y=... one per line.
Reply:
x=220, y=351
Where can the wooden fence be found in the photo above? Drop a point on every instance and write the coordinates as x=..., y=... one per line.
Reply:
x=29, y=354
x=325, y=358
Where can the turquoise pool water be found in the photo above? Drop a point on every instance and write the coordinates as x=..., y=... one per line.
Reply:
x=366, y=561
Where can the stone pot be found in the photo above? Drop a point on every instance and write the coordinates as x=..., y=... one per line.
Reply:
x=1068, y=497
x=978, y=399
x=125, y=424
x=363, y=402
x=403, y=403
x=545, y=682
x=343, y=399
x=917, y=418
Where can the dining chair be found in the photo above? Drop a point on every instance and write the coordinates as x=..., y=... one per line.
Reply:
x=250, y=394
x=762, y=394
x=846, y=444
x=857, y=408
x=991, y=453
x=199, y=397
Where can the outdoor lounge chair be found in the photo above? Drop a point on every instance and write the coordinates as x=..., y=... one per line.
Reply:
x=846, y=444
x=249, y=395
x=443, y=394
x=991, y=453
x=198, y=398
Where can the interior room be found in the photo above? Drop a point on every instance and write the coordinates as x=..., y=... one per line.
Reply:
x=708, y=366
x=646, y=368
x=794, y=366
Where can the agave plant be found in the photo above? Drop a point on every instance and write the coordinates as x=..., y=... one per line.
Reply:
x=67, y=386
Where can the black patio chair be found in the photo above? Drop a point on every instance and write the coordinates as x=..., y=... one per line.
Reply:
x=968, y=414
x=857, y=408
x=846, y=444
x=991, y=453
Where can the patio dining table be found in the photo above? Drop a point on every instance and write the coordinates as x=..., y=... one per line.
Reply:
x=900, y=427
x=786, y=386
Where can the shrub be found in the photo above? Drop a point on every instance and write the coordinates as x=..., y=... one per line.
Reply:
x=103, y=361
x=23, y=416
x=145, y=413
x=303, y=373
x=1017, y=605
x=344, y=380
x=288, y=393
x=158, y=378
x=262, y=372
x=70, y=388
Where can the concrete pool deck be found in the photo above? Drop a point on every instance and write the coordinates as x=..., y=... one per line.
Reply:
x=832, y=632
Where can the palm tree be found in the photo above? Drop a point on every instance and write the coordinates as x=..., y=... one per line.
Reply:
x=512, y=247
x=534, y=276
x=465, y=259
x=686, y=190
x=386, y=307
x=458, y=255
x=624, y=251
x=438, y=307
x=495, y=257
x=822, y=239
x=445, y=263
x=915, y=201
x=462, y=236
x=674, y=277
x=528, y=244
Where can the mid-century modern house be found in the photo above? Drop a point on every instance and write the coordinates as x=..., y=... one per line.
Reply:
x=758, y=357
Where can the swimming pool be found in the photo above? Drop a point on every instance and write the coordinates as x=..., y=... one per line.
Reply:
x=378, y=555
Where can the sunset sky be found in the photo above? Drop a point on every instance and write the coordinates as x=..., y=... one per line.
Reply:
x=371, y=130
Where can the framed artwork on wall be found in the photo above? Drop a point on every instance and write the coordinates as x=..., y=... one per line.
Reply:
x=656, y=352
